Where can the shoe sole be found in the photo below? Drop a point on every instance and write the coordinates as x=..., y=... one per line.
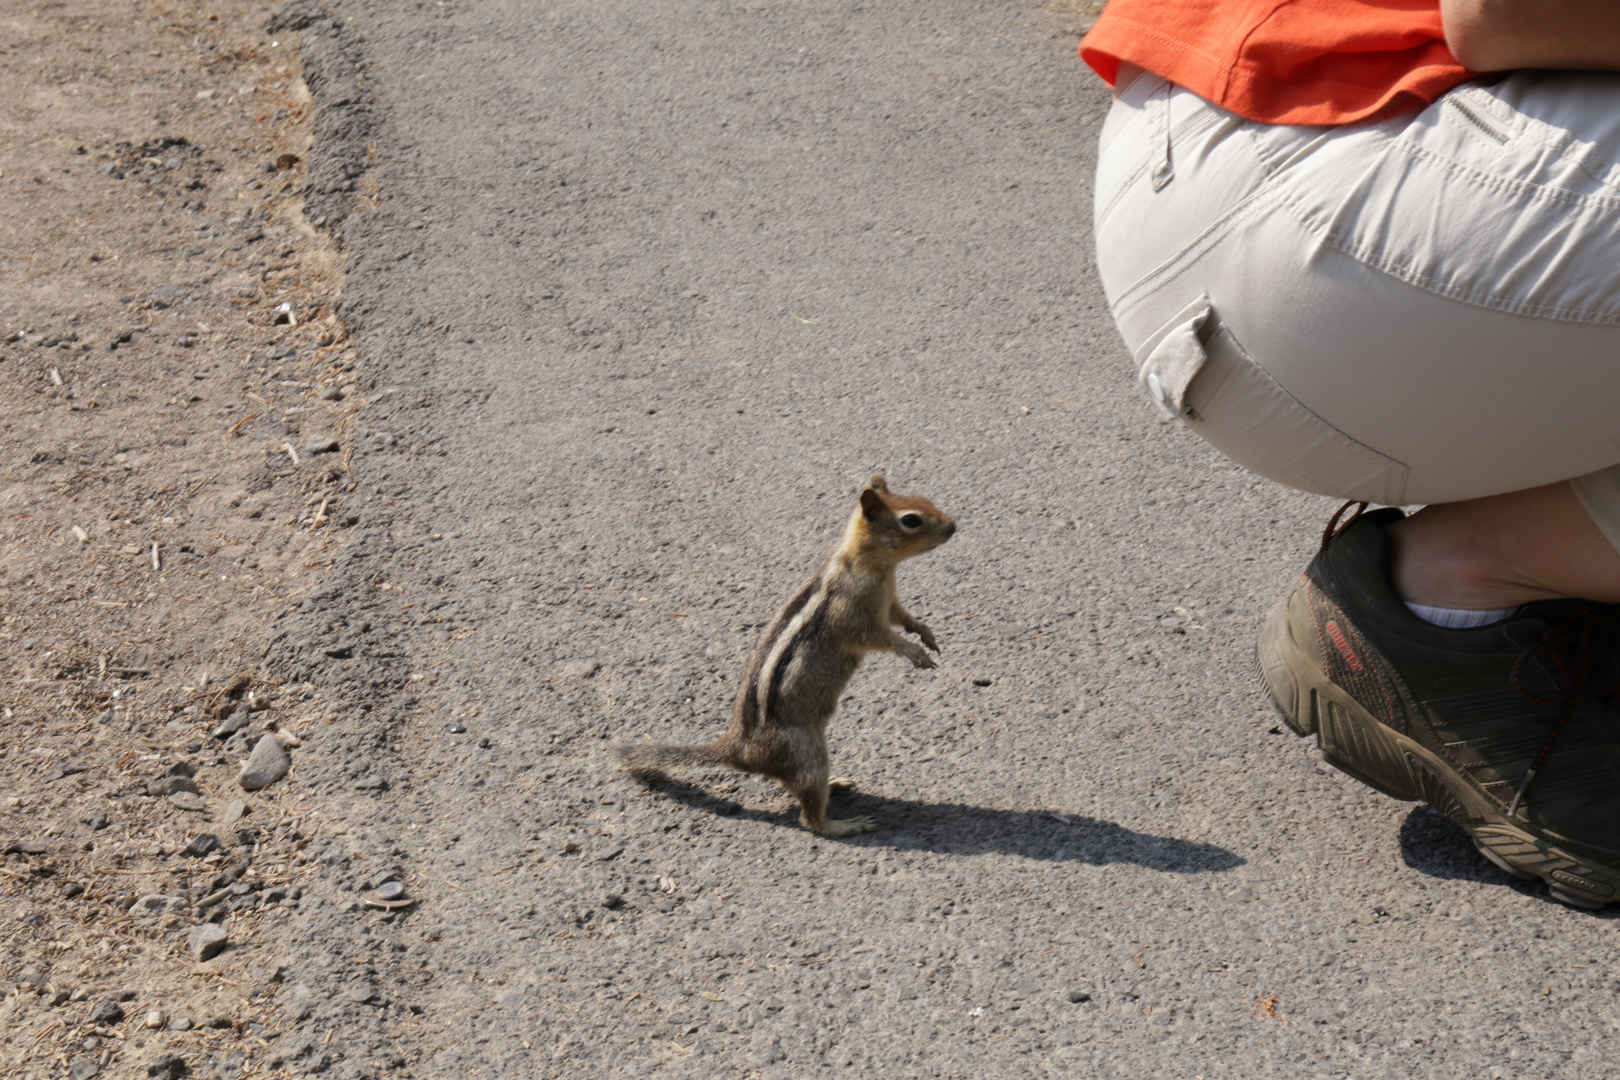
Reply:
x=1354, y=742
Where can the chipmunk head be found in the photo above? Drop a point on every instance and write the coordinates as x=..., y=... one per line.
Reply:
x=899, y=525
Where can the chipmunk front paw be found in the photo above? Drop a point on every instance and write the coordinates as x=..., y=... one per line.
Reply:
x=915, y=653
x=927, y=636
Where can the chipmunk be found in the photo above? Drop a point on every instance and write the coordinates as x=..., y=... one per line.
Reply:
x=807, y=655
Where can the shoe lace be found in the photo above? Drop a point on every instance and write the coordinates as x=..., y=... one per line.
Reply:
x=1334, y=529
x=1584, y=640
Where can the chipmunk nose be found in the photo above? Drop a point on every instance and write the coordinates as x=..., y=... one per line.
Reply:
x=950, y=530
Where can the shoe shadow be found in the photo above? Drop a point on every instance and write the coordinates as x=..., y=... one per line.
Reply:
x=959, y=829
x=1432, y=844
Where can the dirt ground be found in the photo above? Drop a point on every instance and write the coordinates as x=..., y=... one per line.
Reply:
x=175, y=396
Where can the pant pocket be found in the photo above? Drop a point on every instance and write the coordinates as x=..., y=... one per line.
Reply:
x=1195, y=369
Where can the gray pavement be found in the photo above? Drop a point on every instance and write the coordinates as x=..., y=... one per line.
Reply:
x=646, y=291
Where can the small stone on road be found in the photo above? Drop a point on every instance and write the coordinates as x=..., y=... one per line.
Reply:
x=234, y=723
x=187, y=800
x=207, y=941
x=167, y=1067
x=108, y=1012
x=268, y=763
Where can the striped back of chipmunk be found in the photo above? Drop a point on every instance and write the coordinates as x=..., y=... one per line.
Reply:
x=802, y=619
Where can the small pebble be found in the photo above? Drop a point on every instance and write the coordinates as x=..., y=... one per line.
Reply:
x=207, y=941
x=268, y=763
x=169, y=785
x=157, y=904
x=108, y=1012
x=391, y=890
x=187, y=800
x=202, y=844
x=458, y=728
x=370, y=783
x=320, y=444
x=981, y=682
x=235, y=811
x=154, y=1019
x=71, y=889
x=169, y=1066
x=1077, y=996
x=233, y=723
x=612, y=900
x=330, y=393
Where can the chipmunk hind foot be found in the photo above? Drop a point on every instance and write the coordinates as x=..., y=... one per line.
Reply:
x=837, y=827
x=812, y=795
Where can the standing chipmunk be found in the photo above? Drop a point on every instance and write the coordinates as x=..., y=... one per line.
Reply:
x=809, y=652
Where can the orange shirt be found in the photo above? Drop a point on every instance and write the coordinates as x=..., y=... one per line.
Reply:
x=1283, y=61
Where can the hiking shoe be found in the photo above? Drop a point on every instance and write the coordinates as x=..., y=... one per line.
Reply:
x=1508, y=729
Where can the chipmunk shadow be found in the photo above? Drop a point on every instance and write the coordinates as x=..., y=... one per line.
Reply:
x=957, y=829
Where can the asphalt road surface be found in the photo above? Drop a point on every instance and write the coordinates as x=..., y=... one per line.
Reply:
x=645, y=292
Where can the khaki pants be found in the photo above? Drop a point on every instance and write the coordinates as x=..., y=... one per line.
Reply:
x=1419, y=310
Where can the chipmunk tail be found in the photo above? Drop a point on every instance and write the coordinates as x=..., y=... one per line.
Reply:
x=646, y=759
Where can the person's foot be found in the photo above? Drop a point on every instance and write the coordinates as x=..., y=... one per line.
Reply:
x=1509, y=729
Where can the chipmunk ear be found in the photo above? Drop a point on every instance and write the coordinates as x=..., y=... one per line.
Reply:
x=877, y=483
x=872, y=503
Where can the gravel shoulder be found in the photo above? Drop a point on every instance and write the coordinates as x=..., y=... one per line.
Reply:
x=175, y=390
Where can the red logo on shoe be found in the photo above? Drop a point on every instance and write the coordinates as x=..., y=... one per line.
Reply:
x=1345, y=650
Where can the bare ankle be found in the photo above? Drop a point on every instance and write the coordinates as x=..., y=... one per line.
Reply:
x=1503, y=551
x=1438, y=566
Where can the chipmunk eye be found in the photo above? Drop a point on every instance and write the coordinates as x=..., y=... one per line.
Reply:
x=911, y=521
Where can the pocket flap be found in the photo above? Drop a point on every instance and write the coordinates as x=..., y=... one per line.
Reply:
x=1173, y=356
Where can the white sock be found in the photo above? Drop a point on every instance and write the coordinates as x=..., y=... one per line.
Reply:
x=1458, y=618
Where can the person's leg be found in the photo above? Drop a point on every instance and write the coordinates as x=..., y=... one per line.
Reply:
x=1324, y=309
x=1504, y=551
